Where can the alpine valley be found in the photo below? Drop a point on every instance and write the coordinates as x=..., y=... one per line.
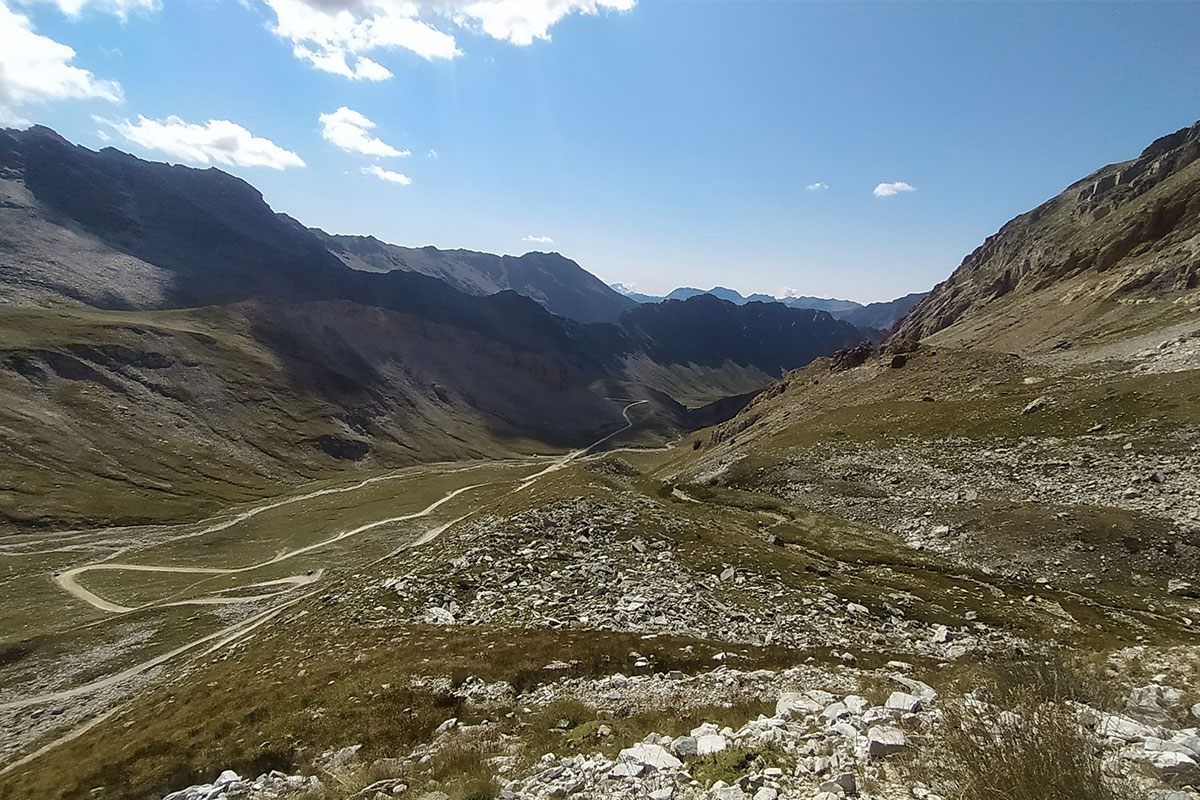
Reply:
x=291, y=514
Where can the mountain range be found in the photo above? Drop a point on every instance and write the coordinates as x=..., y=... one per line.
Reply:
x=556, y=282
x=138, y=294
x=874, y=317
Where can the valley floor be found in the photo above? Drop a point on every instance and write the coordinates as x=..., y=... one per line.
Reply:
x=802, y=600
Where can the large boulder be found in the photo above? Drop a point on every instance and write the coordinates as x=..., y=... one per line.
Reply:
x=709, y=744
x=650, y=755
x=883, y=740
x=1154, y=703
x=1124, y=729
x=902, y=701
x=1171, y=763
x=797, y=705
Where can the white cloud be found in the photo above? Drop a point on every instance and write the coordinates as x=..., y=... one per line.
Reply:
x=816, y=187
x=349, y=130
x=537, y=239
x=218, y=141
x=37, y=69
x=432, y=153
x=889, y=189
x=387, y=175
x=335, y=35
x=122, y=8
x=522, y=21
x=788, y=291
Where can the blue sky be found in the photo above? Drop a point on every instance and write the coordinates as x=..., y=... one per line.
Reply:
x=657, y=143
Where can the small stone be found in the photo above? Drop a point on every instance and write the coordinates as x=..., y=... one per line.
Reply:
x=227, y=777
x=684, y=746
x=856, y=704
x=1036, y=405
x=1182, y=588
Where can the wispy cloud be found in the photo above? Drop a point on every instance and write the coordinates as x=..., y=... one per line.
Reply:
x=889, y=189
x=217, y=141
x=349, y=130
x=816, y=187
x=537, y=239
x=387, y=175
x=122, y=8
x=432, y=153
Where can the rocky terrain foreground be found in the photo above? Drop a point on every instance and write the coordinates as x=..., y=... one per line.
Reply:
x=766, y=609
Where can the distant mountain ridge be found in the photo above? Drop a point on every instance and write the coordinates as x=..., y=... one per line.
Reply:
x=874, y=316
x=554, y=281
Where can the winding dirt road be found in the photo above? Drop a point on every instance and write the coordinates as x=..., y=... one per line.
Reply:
x=68, y=581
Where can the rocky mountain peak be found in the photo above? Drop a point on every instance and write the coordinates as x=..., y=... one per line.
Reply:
x=1126, y=236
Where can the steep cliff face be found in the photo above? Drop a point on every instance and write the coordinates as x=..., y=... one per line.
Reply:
x=1113, y=251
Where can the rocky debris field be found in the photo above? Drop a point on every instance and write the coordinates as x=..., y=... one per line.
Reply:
x=934, y=494
x=620, y=566
x=818, y=744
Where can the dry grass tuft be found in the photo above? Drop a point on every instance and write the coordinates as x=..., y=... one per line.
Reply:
x=1014, y=743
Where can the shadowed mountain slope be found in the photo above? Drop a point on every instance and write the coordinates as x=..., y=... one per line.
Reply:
x=882, y=316
x=707, y=330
